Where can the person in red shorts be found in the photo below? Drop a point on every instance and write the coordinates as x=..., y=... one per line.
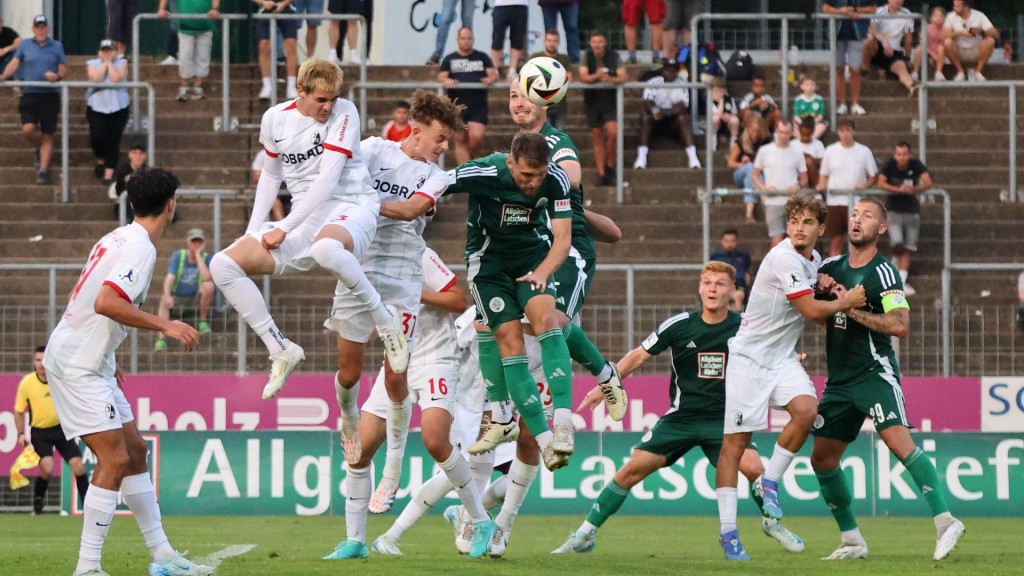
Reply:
x=633, y=15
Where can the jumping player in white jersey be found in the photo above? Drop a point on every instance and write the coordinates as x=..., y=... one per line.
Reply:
x=87, y=385
x=312, y=144
x=433, y=375
x=763, y=367
x=408, y=182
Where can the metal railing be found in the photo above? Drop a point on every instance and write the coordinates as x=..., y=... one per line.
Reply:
x=216, y=194
x=51, y=290
x=65, y=120
x=225, y=80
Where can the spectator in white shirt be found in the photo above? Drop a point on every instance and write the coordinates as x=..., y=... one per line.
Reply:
x=779, y=167
x=666, y=109
x=847, y=165
x=812, y=148
x=890, y=42
x=969, y=37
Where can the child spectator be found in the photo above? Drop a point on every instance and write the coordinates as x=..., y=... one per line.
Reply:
x=813, y=150
x=195, y=44
x=936, y=49
x=725, y=116
x=758, y=103
x=398, y=128
x=741, y=159
x=810, y=105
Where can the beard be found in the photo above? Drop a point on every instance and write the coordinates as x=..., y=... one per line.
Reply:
x=864, y=240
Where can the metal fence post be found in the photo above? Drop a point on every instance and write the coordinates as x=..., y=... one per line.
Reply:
x=1013, y=142
x=947, y=296
x=620, y=96
x=243, y=345
x=832, y=71
x=273, y=61
x=225, y=76
x=51, y=313
x=65, y=143
x=784, y=47
x=630, y=300
x=136, y=120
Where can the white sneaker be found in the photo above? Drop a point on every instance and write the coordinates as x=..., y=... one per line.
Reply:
x=939, y=76
x=564, y=441
x=978, y=77
x=283, y=363
x=790, y=542
x=169, y=61
x=695, y=163
x=578, y=543
x=841, y=110
x=384, y=497
x=354, y=57
x=93, y=572
x=959, y=77
x=849, y=552
x=858, y=110
x=971, y=74
x=265, y=92
x=495, y=435
x=553, y=460
x=386, y=545
x=908, y=290
x=292, y=93
x=949, y=539
x=464, y=538
x=614, y=395
x=500, y=541
x=641, y=162
x=184, y=94
x=332, y=56
x=395, y=346
x=179, y=566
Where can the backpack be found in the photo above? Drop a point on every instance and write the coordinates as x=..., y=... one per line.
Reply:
x=740, y=66
x=709, y=61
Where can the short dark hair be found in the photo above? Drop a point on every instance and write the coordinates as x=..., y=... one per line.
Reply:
x=881, y=206
x=404, y=104
x=137, y=146
x=807, y=122
x=552, y=32
x=596, y=33
x=40, y=349
x=903, y=144
x=801, y=203
x=732, y=231
x=531, y=147
x=758, y=75
x=149, y=189
x=429, y=106
x=846, y=123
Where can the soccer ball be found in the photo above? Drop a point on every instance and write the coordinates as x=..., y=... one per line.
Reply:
x=543, y=81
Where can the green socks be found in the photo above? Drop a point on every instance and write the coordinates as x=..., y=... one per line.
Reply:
x=927, y=479
x=491, y=367
x=557, y=368
x=608, y=502
x=582, y=350
x=524, y=392
x=836, y=493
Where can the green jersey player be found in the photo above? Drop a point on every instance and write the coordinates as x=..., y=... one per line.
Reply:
x=699, y=343
x=519, y=233
x=864, y=381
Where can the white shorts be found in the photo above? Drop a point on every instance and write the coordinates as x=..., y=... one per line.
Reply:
x=430, y=386
x=353, y=322
x=89, y=406
x=292, y=256
x=750, y=388
x=471, y=393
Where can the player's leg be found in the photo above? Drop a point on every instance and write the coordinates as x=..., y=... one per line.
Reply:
x=42, y=483
x=100, y=503
x=69, y=451
x=346, y=388
x=359, y=485
x=522, y=471
x=476, y=132
x=500, y=427
x=509, y=337
x=792, y=389
x=611, y=132
x=540, y=309
x=752, y=469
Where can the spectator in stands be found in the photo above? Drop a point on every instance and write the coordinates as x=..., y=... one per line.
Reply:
x=890, y=42
x=33, y=396
x=398, y=128
x=633, y=16
x=676, y=26
x=808, y=104
x=40, y=60
x=557, y=112
x=812, y=148
x=137, y=157
x=726, y=114
x=106, y=109
x=570, y=13
x=468, y=65
x=9, y=41
x=444, y=22
x=847, y=165
x=172, y=37
x=188, y=284
x=283, y=204
x=195, y=45
x=313, y=8
x=936, y=47
x=120, y=14
x=850, y=34
x=509, y=17
x=289, y=29
x=740, y=260
x=741, y=159
x=758, y=102
x=779, y=167
x=969, y=38
x=349, y=29
x=666, y=110
x=602, y=66
x=905, y=178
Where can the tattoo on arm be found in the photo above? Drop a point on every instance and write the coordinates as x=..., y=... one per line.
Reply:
x=893, y=323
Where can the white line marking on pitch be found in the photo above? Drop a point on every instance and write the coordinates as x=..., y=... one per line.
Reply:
x=214, y=560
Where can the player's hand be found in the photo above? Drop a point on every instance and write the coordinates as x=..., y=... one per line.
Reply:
x=23, y=440
x=119, y=377
x=591, y=400
x=801, y=357
x=187, y=335
x=854, y=298
x=536, y=281
x=273, y=239
x=825, y=284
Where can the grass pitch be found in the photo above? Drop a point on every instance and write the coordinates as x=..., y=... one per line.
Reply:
x=629, y=545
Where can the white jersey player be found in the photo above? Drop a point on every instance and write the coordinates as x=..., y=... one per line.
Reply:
x=86, y=383
x=408, y=183
x=433, y=375
x=763, y=367
x=312, y=144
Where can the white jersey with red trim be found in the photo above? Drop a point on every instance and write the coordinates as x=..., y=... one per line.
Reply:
x=397, y=248
x=771, y=325
x=299, y=141
x=83, y=343
x=436, y=340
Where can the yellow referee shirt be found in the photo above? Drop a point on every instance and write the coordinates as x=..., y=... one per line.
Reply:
x=34, y=395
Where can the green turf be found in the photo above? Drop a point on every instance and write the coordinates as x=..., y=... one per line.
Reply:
x=627, y=545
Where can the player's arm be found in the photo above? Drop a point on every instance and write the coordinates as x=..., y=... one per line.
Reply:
x=895, y=322
x=559, y=251
x=112, y=304
x=20, y=406
x=573, y=170
x=602, y=228
x=632, y=361
x=883, y=184
x=332, y=163
x=452, y=299
x=816, y=310
x=924, y=183
x=12, y=67
x=407, y=210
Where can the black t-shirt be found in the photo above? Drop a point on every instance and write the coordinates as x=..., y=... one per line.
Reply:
x=912, y=175
x=7, y=37
x=471, y=68
x=610, y=60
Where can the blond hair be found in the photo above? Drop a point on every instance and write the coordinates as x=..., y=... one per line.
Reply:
x=320, y=74
x=715, y=266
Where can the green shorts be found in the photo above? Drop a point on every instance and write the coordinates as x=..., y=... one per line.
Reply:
x=497, y=295
x=572, y=283
x=843, y=408
x=675, y=434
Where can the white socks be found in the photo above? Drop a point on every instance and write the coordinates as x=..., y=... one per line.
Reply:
x=495, y=493
x=99, y=507
x=562, y=416
x=904, y=274
x=482, y=466
x=727, y=500
x=427, y=497
x=520, y=477
x=501, y=412
x=140, y=496
x=543, y=439
x=358, y=488
x=777, y=466
x=457, y=470
x=291, y=84
x=398, y=417
x=605, y=374
x=852, y=538
x=348, y=402
x=247, y=299
x=266, y=83
x=641, y=152
x=332, y=256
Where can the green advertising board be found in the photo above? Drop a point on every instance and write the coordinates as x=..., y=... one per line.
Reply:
x=301, y=473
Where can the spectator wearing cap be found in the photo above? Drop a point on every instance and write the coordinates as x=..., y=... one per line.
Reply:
x=665, y=109
x=9, y=40
x=188, y=284
x=137, y=157
x=107, y=109
x=40, y=60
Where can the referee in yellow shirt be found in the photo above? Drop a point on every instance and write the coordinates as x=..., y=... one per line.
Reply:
x=34, y=397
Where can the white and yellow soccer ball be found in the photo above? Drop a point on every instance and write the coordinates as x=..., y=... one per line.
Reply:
x=543, y=81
